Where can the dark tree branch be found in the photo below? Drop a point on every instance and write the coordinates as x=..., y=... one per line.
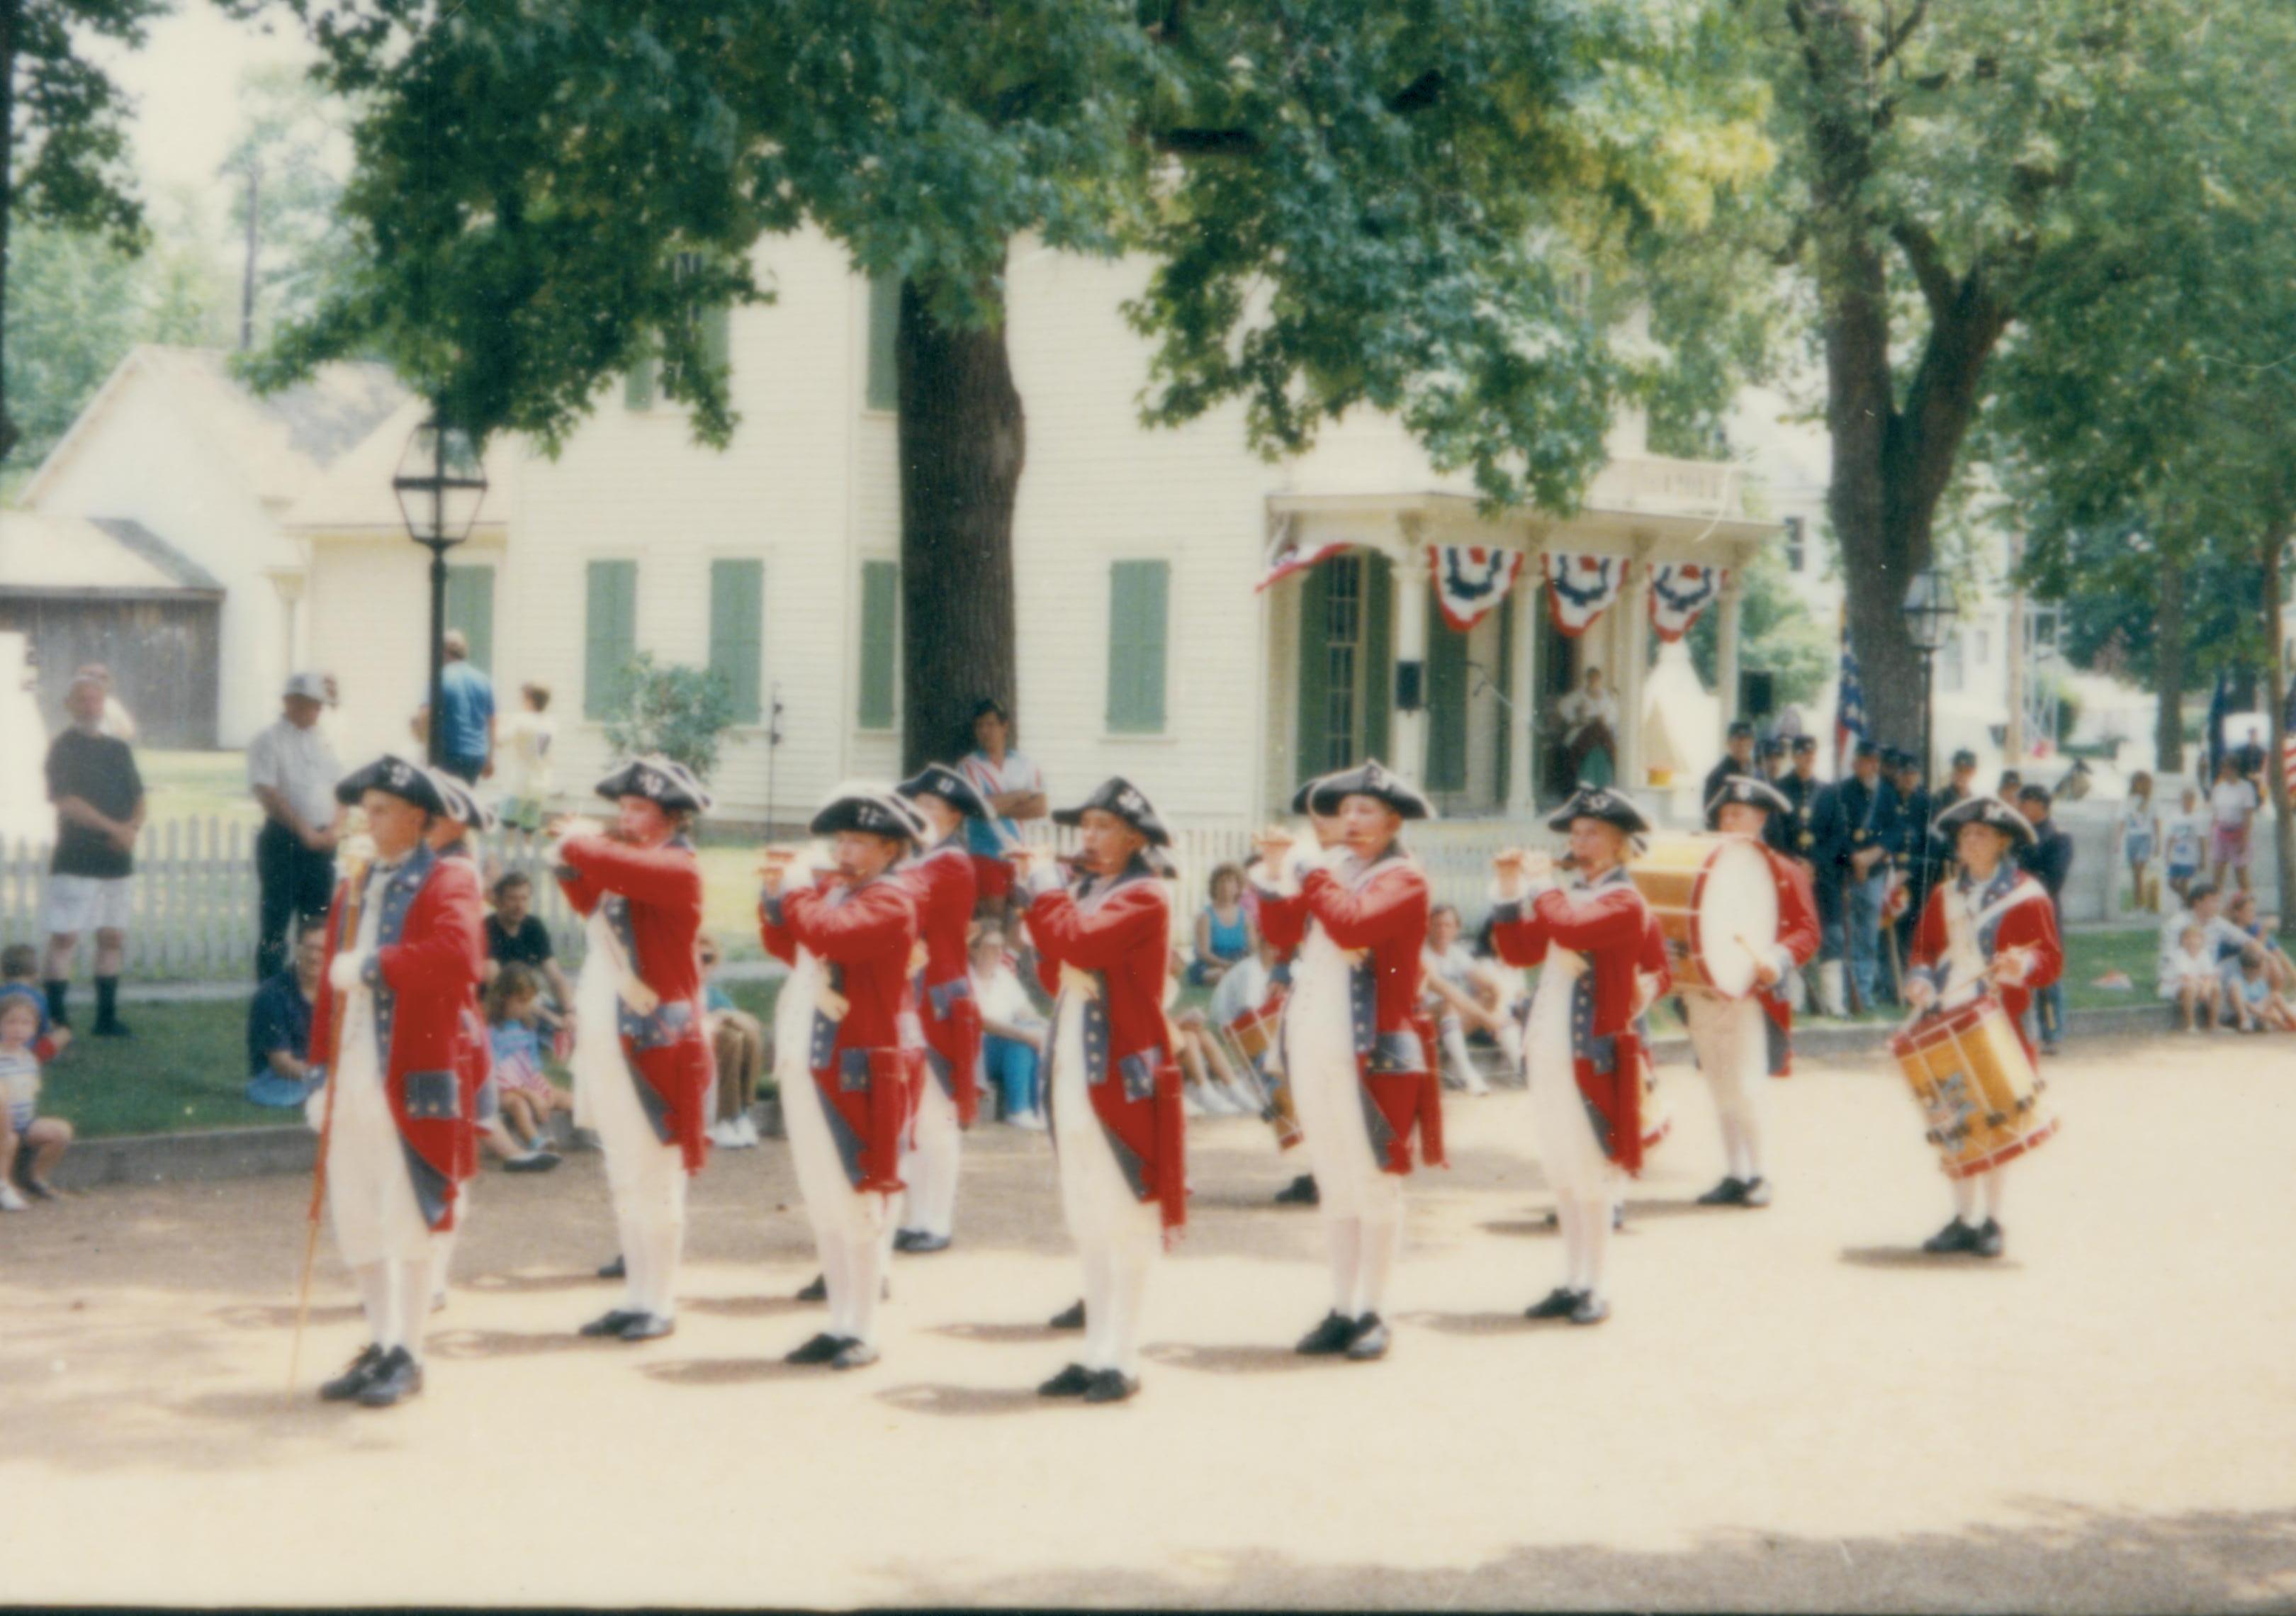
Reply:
x=1895, y=40
x=1208, y=143
x=1938, y=288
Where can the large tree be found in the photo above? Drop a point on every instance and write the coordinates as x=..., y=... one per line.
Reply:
x=286, y=200
x=1386, y=206
x=1942, y=165
x=64, y=163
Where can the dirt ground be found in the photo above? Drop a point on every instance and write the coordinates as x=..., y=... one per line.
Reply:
x=1790, y=1409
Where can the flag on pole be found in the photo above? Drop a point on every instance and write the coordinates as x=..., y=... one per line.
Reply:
x=1469, y=580
x=2288, y=739
x=1848, y=707
x=1680, y=593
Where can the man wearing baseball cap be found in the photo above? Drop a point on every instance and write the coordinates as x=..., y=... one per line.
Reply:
x=291, y=770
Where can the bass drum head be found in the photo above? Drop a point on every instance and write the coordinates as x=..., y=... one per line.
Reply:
x=1735, y=913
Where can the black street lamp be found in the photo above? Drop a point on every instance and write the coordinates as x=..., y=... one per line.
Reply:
x=1928, y=612
x=440, y=483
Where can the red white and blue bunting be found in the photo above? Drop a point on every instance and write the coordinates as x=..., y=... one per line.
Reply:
x=1469, y=580
x=1288, y=555
x=1680, y=592
x=1580, y=588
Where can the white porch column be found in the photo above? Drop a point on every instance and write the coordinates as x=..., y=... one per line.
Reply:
x=1726, y=647
x=1522, y=714
x=1633, y=672
x=1409, y=731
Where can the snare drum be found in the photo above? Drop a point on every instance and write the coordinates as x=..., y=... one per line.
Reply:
x=1718, y=907
x=1975, y=1087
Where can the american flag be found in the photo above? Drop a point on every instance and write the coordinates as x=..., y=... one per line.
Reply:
x=1849, y=707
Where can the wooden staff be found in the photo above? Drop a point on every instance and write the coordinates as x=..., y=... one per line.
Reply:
x=353, y=913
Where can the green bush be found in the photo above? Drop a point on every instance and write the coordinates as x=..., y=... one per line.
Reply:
x=681, y=712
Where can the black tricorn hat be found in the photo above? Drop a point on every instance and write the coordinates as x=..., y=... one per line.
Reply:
x=659, y=780
x=1119, y=796
x=871, y=809
x=1989, y=811
x=1804, y=744
x=1600, y=802
x=462, y=804
x=1370, y=778
x=408, y=782
x=1752, y=793
x=939, y=780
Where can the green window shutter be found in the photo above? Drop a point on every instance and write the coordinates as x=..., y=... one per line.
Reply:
x=1446, y=703
x=1379, y=657
x=737, y=604
x=1504, y=752
x=639, y=385
x=716, y=334
x=609, y=636
x=470, y=608
x=881, y=619
x=1139, y=596
x=884, y=386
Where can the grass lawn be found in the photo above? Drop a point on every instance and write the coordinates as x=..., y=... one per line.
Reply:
x=197, y=785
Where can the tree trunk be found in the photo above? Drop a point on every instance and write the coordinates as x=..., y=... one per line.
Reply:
x=2168, y=663
x=10, y=31
x=2271, y=549
x=964, y=440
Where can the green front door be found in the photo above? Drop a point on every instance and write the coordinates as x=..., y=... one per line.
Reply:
x=1346, y=610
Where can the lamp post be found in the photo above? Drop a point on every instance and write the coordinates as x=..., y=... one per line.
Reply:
x=1928, y=612
x=440, y=483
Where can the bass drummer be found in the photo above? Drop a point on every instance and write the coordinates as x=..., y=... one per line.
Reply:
x=1989, y=925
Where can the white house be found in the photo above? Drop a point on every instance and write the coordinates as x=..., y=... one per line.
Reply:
x=1143, y=648
x=171, y=441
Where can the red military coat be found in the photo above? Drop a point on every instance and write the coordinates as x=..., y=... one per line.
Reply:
x=861, y=937
x=1610, y=925
x=429, y=946
x=945, y=889
x=1118, y=930
x=1798, y=935
x=1383, y=913
x=653, y=898
x=2012, y=912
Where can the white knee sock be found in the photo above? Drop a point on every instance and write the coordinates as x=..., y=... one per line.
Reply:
x=442, y=1248
x=663, y=1241
x=1574, y=1242
x=1595, y=1216
x=1099, y=1304
x=1511, y=1041
x=379, y=1303
x=625, y=1231
x=1128, y=1288
x=865, y=1274
x=1343, y=1238
x=1731, y=1146
x=836, y=1275
x=1965, y=1199
x=1750, y=1132
x=1382, y=1243
x=411, y=1278
x=1992, y=1182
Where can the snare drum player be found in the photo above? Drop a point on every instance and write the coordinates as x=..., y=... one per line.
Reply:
x=1358, y=1051
x=941, y=878
x=1740, y=1043
x=642, y=1060
x=1988, y=922
x=844, y=1070
x=1114, y=1091
x=1583, y=1057
x=398, y=1134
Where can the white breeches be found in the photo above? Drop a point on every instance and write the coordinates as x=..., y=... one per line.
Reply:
x=1732, y=1039
x=1326, y=1094
x=370, y=1197
x=1966, y=1193
x=850, y=1229
x=1585, y=1182
x=1118, y=1234
x=645, y=1177
x=929, y=1168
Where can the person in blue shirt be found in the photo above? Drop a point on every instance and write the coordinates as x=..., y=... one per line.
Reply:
x=279, y=1065
x=465, y=715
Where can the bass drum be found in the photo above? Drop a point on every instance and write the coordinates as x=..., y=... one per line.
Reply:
x=1717, y=904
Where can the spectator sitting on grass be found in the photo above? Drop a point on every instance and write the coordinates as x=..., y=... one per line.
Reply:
x=1012, y=1031
x=2240, y=911
x=1224, y=929
x=2189, y=977
x=279, y=1026
x=19, y=977
x=29, y=1143
x=526, y=1094
x=516, y=936
x=2255, y=1007
x=2221, y=940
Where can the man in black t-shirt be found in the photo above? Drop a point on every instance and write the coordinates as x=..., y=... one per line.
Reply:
x=99, y=799
x=516, y=936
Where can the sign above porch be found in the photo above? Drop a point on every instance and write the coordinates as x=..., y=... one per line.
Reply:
x=1680, y=592
x=1580, y=588
x=1469, y=580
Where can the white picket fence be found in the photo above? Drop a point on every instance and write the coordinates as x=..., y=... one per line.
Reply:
x=197, y=903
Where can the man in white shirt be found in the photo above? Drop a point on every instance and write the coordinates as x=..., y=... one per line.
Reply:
x=2220, y=938
x=291, y=770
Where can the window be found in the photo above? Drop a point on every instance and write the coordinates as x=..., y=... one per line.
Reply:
x=1346, y=605
x=1139, y=596
x=884, y=387
x=737, y=605
x=1797, y=543
x=470, y=608
x=881, y=631
x=609, y=637
x=1952, y=664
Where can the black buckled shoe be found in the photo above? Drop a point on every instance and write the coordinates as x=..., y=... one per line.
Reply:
x=818, y=1291
x=354, y=1376
x=612, y=1322
x=1953, y=1239
x=1329, y=1338
x=1370, y=1338
x=1068, y=1319
x=1730, y=1192
x=1989, y=1240
x=1110, y=1386
x=395, y=1378
x=648, y=1327
x=1592, y=1309
x=820, y=1349
x=1757, y=1193
x=854, y=1355
x=1074, y=1380
x=1300, y=1192
x=906, y=1240
x=616, y=1269
x=925, y=1245
x=1560, y=1302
